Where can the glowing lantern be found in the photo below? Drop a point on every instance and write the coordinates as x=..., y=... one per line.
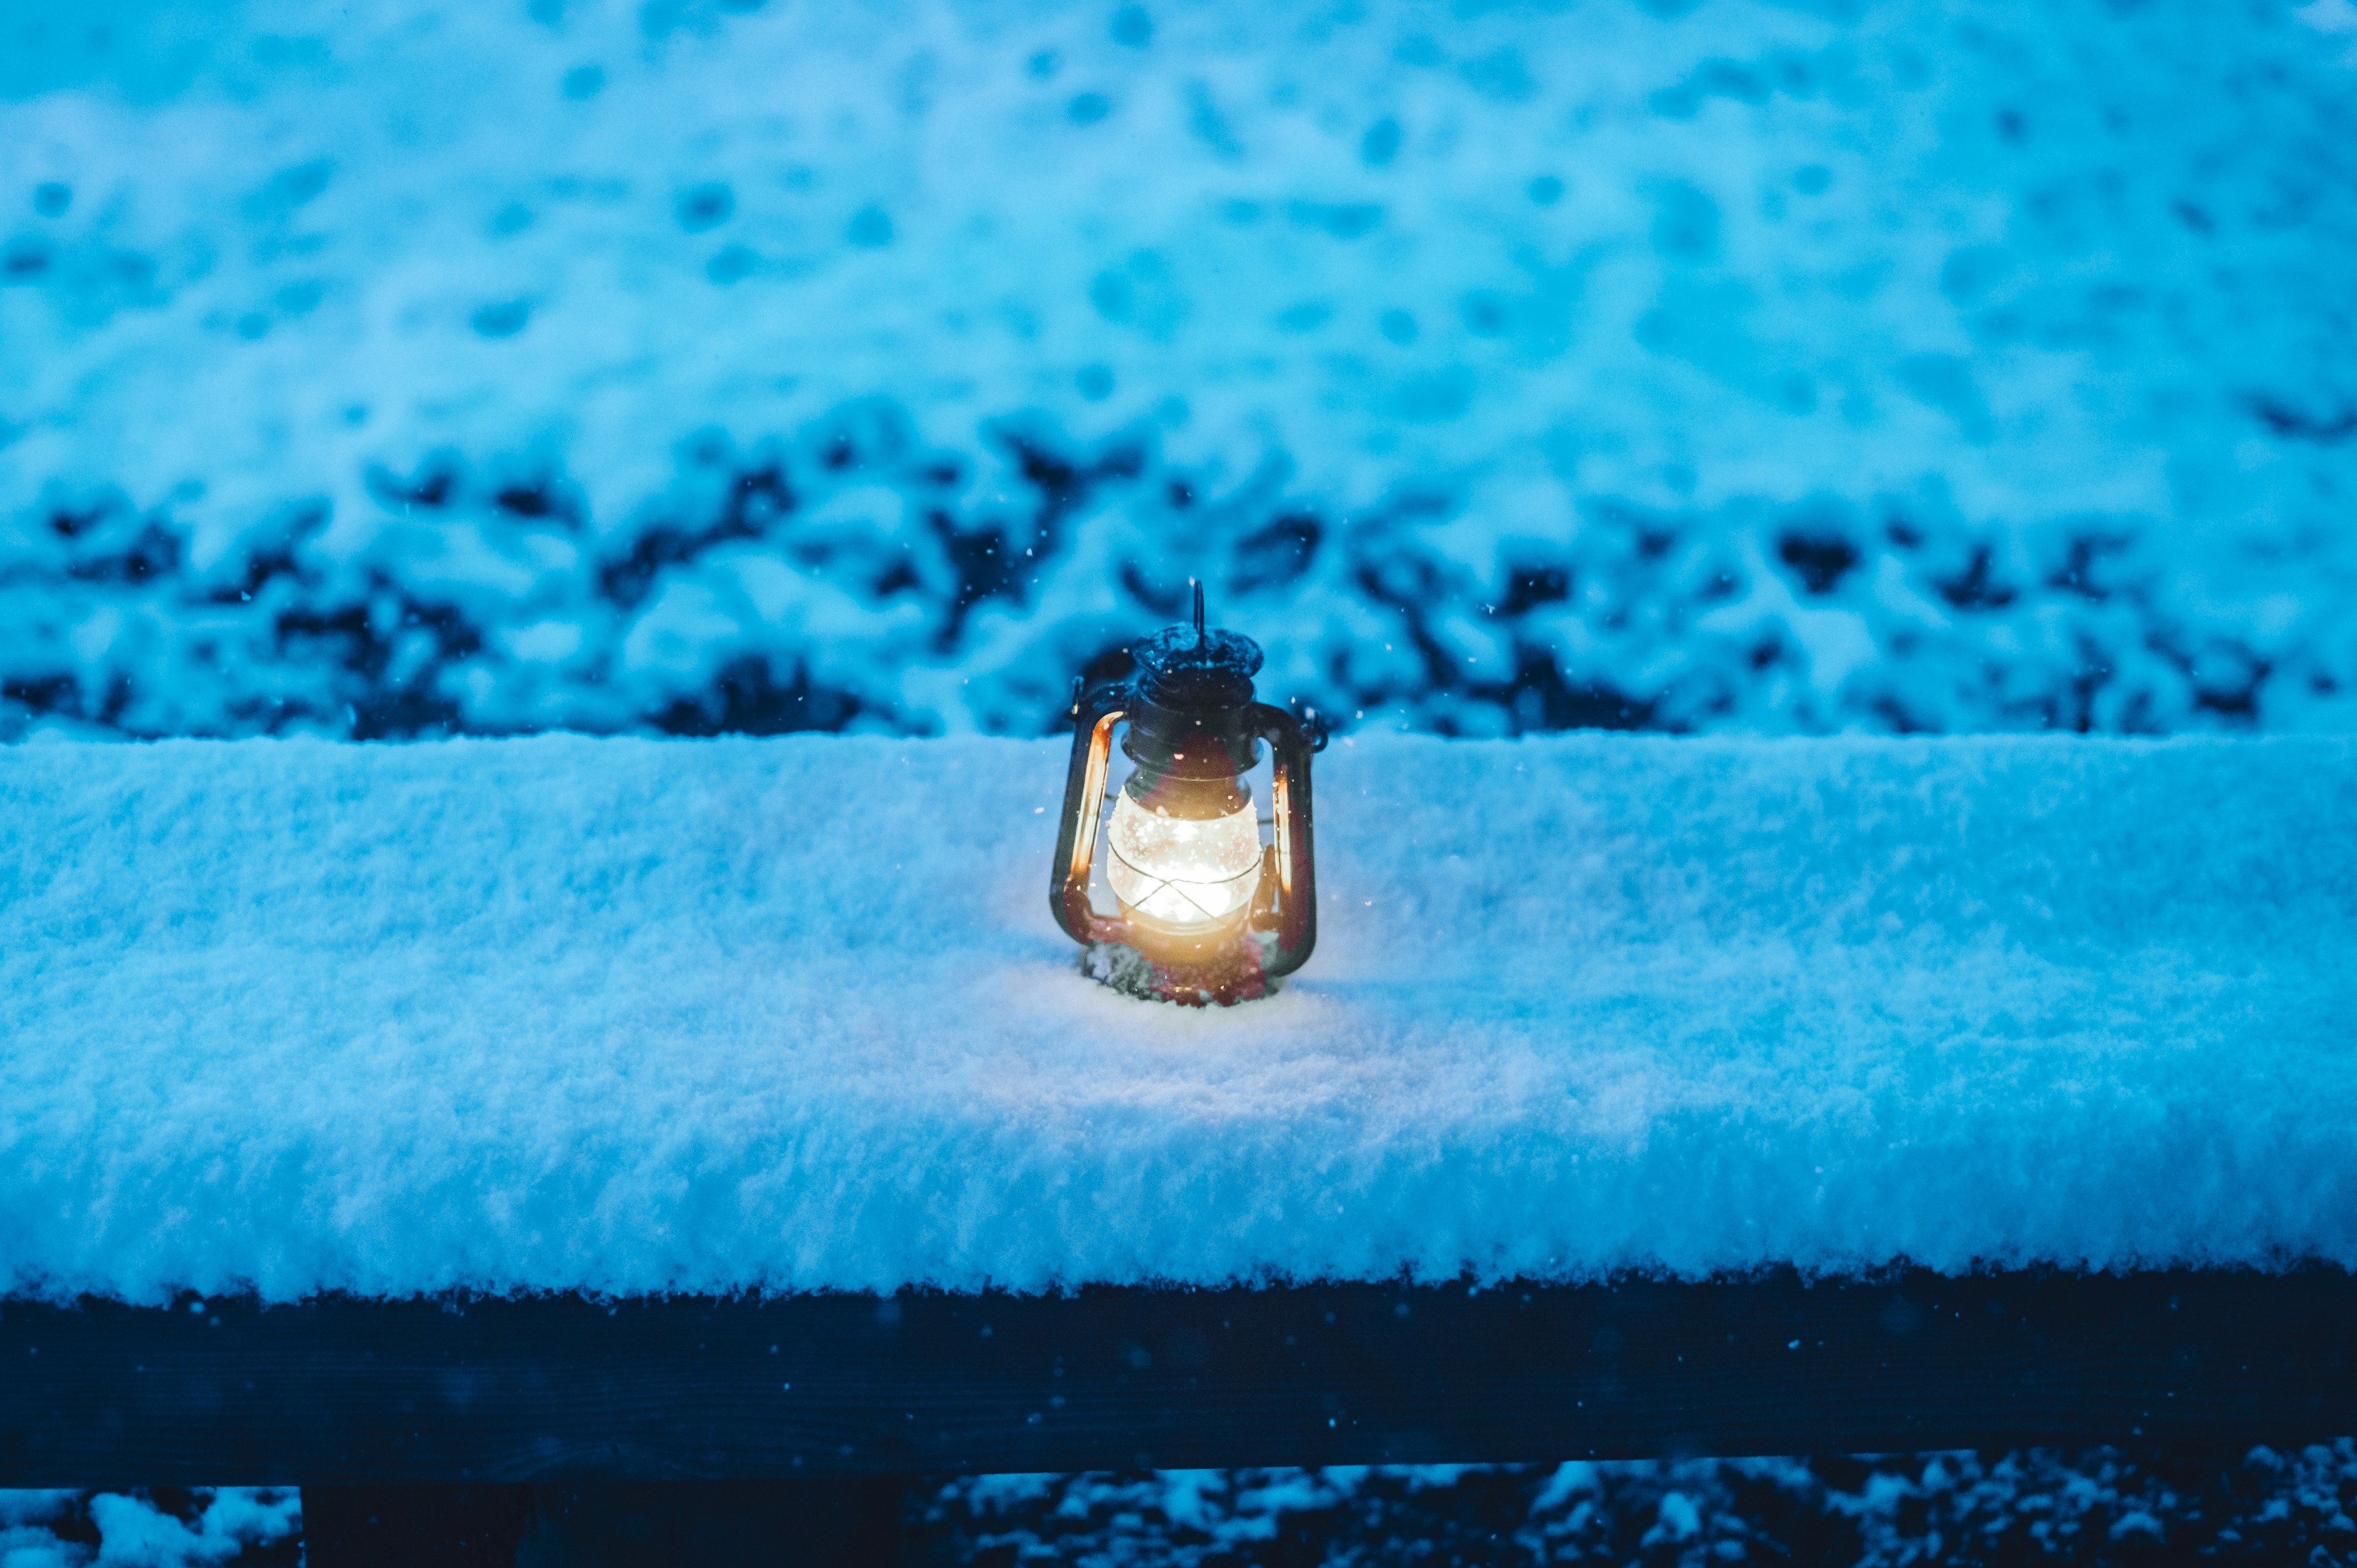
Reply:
x=1208, y=912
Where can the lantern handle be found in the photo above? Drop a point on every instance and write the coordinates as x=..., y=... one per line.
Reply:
x=1093, y=716
x=1294, y=869
x=1313, y=724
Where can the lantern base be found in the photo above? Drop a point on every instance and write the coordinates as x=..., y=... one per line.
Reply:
x=1240, y=974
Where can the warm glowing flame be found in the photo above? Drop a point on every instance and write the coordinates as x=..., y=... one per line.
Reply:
x=1179, y=872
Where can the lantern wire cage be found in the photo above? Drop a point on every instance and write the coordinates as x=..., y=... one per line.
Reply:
x=1244, y=977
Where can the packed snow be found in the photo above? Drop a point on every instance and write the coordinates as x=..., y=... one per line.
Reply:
x=628, y=1015
x=419, y=367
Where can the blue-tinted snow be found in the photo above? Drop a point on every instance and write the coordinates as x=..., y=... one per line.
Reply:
x=174, y=1527
x=409, y=367
x=1888, y=1511
x=631, y=1016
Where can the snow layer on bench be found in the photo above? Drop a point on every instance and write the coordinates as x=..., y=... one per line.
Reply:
x=631, y=1016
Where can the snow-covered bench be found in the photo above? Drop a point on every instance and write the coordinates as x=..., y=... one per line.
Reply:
x=1609, y=1049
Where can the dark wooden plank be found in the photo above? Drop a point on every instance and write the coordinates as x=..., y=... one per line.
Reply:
x=555, y=1388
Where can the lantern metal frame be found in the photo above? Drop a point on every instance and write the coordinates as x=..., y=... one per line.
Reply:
x=1194, y=729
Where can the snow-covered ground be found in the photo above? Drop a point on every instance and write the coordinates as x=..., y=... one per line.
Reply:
x=2263, y=1507
x=697, y=364
x=170, y=1527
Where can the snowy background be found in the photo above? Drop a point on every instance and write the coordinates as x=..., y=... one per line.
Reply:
x=391, y=369
x=697, y=364
x=2261, y=1507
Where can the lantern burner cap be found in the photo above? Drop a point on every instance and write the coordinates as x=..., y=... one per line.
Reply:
x=1187, y=667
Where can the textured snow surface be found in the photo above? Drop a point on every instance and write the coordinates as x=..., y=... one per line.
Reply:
x=162, y=1527
x=2055, y=1508
x=626, y=1016
x=2092, y=1506
x=406, y=367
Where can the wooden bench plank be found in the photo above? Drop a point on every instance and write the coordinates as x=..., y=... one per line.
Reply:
x=425, y=1391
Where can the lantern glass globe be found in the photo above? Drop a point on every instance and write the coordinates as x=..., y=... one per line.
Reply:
x=1183, y=873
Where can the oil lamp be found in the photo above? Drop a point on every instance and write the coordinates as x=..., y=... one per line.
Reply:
x=1208, y=912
